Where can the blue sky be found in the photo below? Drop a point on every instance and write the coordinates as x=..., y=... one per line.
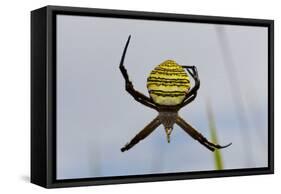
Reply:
x=96, y=117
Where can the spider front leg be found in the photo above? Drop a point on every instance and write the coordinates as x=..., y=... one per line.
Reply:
x=198, y=136
x=142, y=134
x=138, y=96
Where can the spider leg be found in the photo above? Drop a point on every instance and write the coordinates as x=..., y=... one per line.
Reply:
x=192, y=93
x=198, y=136
x=142, y=134
x=188, y=100
x=192, y=70
x=138, y=96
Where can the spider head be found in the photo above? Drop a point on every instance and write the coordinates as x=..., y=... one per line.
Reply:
x=168, y=120
x=168, y=133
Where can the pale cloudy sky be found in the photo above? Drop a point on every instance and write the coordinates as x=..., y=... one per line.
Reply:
x=96, y=117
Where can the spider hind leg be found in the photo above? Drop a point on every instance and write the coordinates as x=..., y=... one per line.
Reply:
x=138, y=96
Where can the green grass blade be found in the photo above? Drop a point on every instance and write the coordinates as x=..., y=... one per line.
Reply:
x=212, y=126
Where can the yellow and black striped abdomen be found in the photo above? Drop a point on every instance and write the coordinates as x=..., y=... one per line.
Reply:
x=168, y=83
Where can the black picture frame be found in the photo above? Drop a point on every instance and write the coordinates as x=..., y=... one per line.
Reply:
x=43, y=95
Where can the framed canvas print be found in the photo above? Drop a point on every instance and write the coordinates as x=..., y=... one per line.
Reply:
x=125, y=96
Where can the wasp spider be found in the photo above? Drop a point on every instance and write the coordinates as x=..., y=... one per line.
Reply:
x=169, y=88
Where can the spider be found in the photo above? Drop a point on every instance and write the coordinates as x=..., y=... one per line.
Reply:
x=169, y=89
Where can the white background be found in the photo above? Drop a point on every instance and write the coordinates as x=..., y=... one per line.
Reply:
x=15, y=95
